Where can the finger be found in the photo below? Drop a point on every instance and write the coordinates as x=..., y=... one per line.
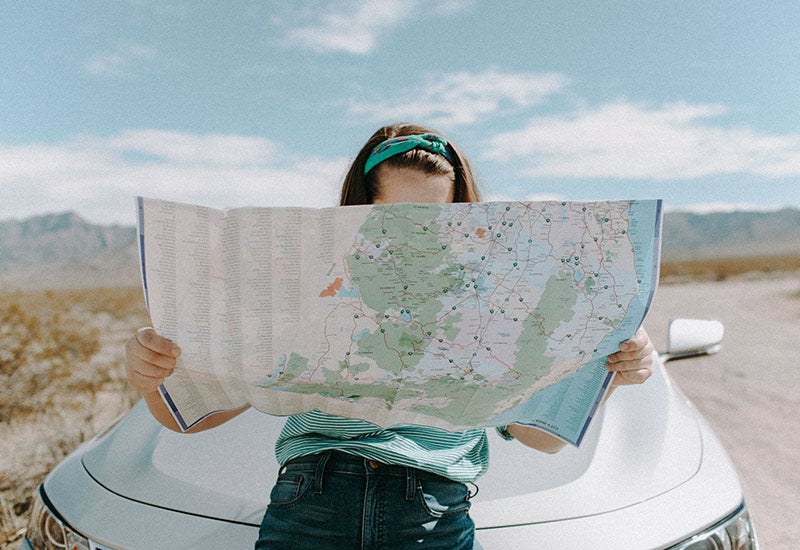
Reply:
x=628, y=378
x=627, y=356
x=144, y=383
x=619, y=363
x=137, y=354
x=150, y=370
x=636, y=348
x=151, y=340
x=628, y=367
x=639, y=341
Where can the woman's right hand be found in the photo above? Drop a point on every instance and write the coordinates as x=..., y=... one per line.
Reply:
x=149, y=358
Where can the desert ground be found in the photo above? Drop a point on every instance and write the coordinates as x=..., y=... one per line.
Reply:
x=750, y=391
x=62, y=380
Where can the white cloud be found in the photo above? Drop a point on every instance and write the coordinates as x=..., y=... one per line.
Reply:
x=464, y=98
x=358, y=27
x=98, y=177
x=105, y=64
x=534, y=197
x=119, y=62
x=711, y=207
x=353, y=28
x=181, y=147
x=632, y=140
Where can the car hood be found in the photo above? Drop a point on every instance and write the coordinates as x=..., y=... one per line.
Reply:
x=646, y=442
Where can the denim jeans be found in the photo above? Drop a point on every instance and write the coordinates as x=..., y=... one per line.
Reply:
x=336, y=500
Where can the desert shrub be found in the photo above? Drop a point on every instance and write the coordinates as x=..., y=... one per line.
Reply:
x=39, y=351
x=720, y=269
x=62, y=379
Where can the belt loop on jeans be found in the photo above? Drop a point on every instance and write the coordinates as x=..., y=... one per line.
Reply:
x=319, y=473
x=411, y=483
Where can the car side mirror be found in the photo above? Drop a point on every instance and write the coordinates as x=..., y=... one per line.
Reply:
x=693, y=338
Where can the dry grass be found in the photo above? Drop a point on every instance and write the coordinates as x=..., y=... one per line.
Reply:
x=725, y=268
x=62, y=379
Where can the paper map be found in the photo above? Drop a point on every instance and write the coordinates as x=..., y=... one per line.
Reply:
x=450, y=315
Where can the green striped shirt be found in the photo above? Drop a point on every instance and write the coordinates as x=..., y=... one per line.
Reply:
x=461, y=456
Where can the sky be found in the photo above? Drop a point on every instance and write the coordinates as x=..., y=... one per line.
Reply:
x=265, y=103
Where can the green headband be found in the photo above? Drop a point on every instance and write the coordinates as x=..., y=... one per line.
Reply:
x=401, y=144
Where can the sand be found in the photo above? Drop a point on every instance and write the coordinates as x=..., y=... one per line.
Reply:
x=750, y=391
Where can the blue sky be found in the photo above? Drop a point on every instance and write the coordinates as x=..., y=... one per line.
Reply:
x=265, y=103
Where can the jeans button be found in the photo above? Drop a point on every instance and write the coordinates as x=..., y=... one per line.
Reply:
x=373, y=464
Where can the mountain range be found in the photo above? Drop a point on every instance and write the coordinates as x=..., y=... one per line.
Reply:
x=717, y=235
x=65, y=251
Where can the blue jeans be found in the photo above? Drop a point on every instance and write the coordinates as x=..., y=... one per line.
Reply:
x=337, y=500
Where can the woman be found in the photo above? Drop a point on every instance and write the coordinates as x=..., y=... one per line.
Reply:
x=346, y=483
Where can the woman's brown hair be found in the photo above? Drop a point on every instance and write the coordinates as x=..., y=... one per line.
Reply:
x=360, y=188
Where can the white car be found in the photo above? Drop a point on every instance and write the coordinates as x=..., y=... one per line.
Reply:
x=649, y=474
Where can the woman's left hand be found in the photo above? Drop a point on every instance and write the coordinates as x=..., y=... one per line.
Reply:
x=633, y=362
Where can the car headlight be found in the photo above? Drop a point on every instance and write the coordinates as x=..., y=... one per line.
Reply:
x=47, y=532
x=733, y=533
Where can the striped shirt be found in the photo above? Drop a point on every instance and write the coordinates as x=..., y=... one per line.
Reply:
x=461, y=456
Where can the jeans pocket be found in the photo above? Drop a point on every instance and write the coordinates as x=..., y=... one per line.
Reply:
x=290, y=488
x=441, y=497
